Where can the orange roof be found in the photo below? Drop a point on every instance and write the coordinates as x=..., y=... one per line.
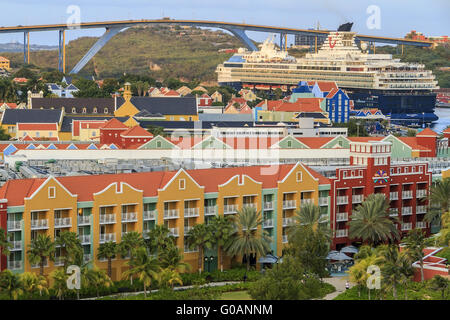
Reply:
x=20, y=79
x=3, y=59
x=171, y=93
x=314, y=142
x=136, y=132
x=327, y=85
x=365, y=139
x=114, y=124
x=427, y=132
x=412, y=142
x=446, y=130
x=37, y=126
x=91, y=125
x=11, y=105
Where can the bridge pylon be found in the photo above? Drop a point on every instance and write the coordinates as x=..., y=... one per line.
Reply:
x=62, y=51
x=26, y=47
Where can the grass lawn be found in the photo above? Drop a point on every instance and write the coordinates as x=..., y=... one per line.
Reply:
x=235, y=295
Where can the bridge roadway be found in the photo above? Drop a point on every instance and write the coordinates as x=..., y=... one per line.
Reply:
x=237, y=29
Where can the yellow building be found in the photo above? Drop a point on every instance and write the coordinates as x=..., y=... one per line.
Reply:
x=102, y=208
x=4, y=63
x=37, y=131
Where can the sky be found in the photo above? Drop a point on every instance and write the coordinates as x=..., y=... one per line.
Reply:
x=396, y=17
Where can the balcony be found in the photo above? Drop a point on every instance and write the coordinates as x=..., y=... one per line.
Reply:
x=15, y=264
x=149, y=215
x=171, y=214
x=210, y=210
x=341, y=233
x=84, y=220
x=63, y=222
x=306, y=201
x=342, y=200
x=268, y=223
x=323, y=201
x=268, y=205
x=288, y=222
x=393, y=212
x=357, y=198
x=421, y=225
x=187, y=229
x=107, y=237
x=15, y=245
x=230, y=208
x=59, y=261
x=129, y=217
x=85, y=238
x=14, y=226
x=86, y=258
x=421, y=193
x=189, y=250
x=406, y=211
x=249, y=205
x=407, y=194
x=289, y=204
x=393, y=195
x=406, y=226
x=284, y=238
x=421, y=209
x=107, y=218
x=342, y=216
x=173, y=232
x=39, y=224
x=37, y=265
x=191, y=212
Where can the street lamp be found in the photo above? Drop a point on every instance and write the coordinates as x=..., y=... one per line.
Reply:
x=423, y=119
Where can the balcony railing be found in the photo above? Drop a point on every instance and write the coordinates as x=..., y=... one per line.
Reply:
x=341, y=233
x=249, y=205
x=406, y=226
x=306, y=201
x=229, y=209
x=393, y=212
x=15, y=264
x=342, y=200
x=38, y=265
x=421, y=193
x=171, y=214
x=407, y=194
x=285, y=238
x=86, y=258
x=268, y=223
x=187, y=229
x=39, y=224
x=15, y=245
x=191, y=212
x=85, y=238
x=210, y=210
x=289, y=204
x=393, y=195
x=14, y=226
x=107, y=237
x=268, y=205
x=357, y=198
x=407, y=211
x=84, y=220
x=421, y=224
x=342, y=216
x=173, y=232
x=63, y=222
x=323, y=201
x=288, y=222
x=107, y=218
x=129, y=217
x=149, y=215
x=59, y=261
x=421, y=209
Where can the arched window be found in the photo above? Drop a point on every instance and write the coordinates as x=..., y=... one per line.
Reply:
x=94, y=110
x=105, y=110
x=74, y=110
x=84, y=110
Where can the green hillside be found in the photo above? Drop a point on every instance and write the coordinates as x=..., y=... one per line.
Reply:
x=157, y=51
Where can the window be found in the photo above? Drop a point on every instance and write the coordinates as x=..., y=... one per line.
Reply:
x=299, y=176
x=74, y=110
x=289, y=144
x=105, y=110
x=344, y=174
x=37, y=134
x=50, y=134
x=93, y=133
x=84, y=110
x=182, y=184
x=94, y=110
x=158, y=144
x=51, y=192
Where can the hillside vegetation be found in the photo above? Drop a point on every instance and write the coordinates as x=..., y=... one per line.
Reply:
x=157, y=51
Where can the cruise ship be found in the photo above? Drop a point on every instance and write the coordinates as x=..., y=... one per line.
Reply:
x=403, y=91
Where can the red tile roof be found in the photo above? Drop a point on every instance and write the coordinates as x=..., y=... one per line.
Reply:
x=114, y=124
x=136, y=132
x=412, y=142
x=446, y=130
x=315, y=142
x=37, y=126
x=427, y=132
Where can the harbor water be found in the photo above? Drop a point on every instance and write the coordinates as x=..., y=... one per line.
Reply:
x=444, y=119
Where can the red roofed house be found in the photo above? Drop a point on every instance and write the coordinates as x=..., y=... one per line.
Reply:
x=204, y=100
x=37, y=131
x=86, y=130
x=111, y=130
x=427, y=138
x=134, y=137
x=237, y=105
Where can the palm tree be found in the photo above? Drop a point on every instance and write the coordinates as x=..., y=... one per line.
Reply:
x=246, y=239
x=222, y=230
x=440, y=200
x=371, y=222
x=145, y=267
x=159, y=238
x=70, y=242
x=407, y=271
x=107, y=250
x=40, y=249
x=415, y=242
x=11, y=283
x=172, y=258
x=4, y=244
x=59, y=278
x=130, y=242
x=32, y=282
x=95, y=278
x=169, y=277
x=358, y=272
x=309, y=214
x=440, y=283
x=200, y=236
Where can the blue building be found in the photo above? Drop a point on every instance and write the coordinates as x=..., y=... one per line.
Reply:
x=338, y=106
